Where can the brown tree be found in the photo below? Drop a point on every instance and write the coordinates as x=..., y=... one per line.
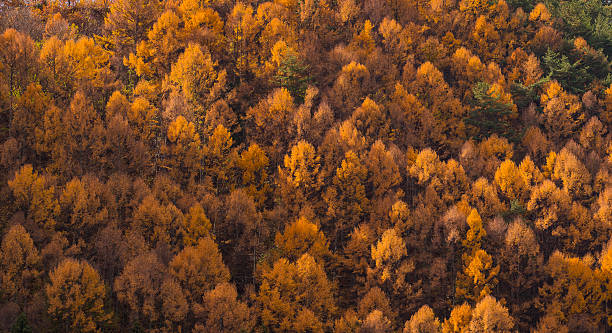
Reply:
x=223, y=312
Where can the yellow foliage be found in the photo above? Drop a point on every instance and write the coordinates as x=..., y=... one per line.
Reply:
x=427, y=167
x=553, y=89
x=302, y=165
x=481, y=271
x=364, y=41
x=430, y=73
x=540, y=12
x=181, y=130
x=459, y=319
x=606, y=114
x=301, y=237
x=185, y=150
x=574, y=175
x=144, y=116
x=604, y=213
x=423, y=320
x=197, y=225
x=489, y=315
x=288, y=289
x=253, y=163
x=573, y=285
x=530, y=173
x=389, y=250
x=194, y=74
x=475, y=6
x=199, y=268
x=510, y=181
x=548, y=203
x=19, y=265
x=475, y=234
x=32, y=193
x=80, y=307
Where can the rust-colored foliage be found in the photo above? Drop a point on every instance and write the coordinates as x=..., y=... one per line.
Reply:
x=305, y=166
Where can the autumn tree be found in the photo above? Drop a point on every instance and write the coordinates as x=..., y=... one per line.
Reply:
x=459, y=319
x=86, y=204
x=254, y=163
x=20, y=262
x=510, y=181
x=520, y=261
x=19, y=64
x=302, y=236
x=143, y=118
x=27, y=117
x=157, y=222
x=424, y=321
x=447, y=109
x=355, y=264
x=484, y=197
x=223, y=312
x=427, y=168
x=482, y=160
x=562, y=112
x=77, y=65
x=479, y=275
x=573, y=174
x=155, y=54
x=299, y=179
x=351, y=86
x=82, y=307
x=549, y=205
x=151, y=295
x=115, y=144
x=199, y=268
x=375, y=299
x=606, y=270
x=203, y=24
x=241, y=30
x=69, y=136
x=346, y=198
x=127, y=24
x=394, y=271
x=383, y=171
x=573, y=293
x=604, y=213
x=219, y=158
x=195, y=75
x=185, y=149
x=268, y=120
x=490, y=316
x=606, y=114
x=370, y=120
x=407, y=111
x=34, y=194
x=296, y=296
x=196, y=225
x=242, y=235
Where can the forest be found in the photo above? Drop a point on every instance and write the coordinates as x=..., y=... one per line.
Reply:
x=367, y=166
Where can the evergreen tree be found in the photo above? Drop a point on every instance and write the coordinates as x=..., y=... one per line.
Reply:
x=21, y=325
x=292, y=74
x=491, y=113
x=572, y=76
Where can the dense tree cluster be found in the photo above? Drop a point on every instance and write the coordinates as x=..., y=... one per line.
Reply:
x=305, y=166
